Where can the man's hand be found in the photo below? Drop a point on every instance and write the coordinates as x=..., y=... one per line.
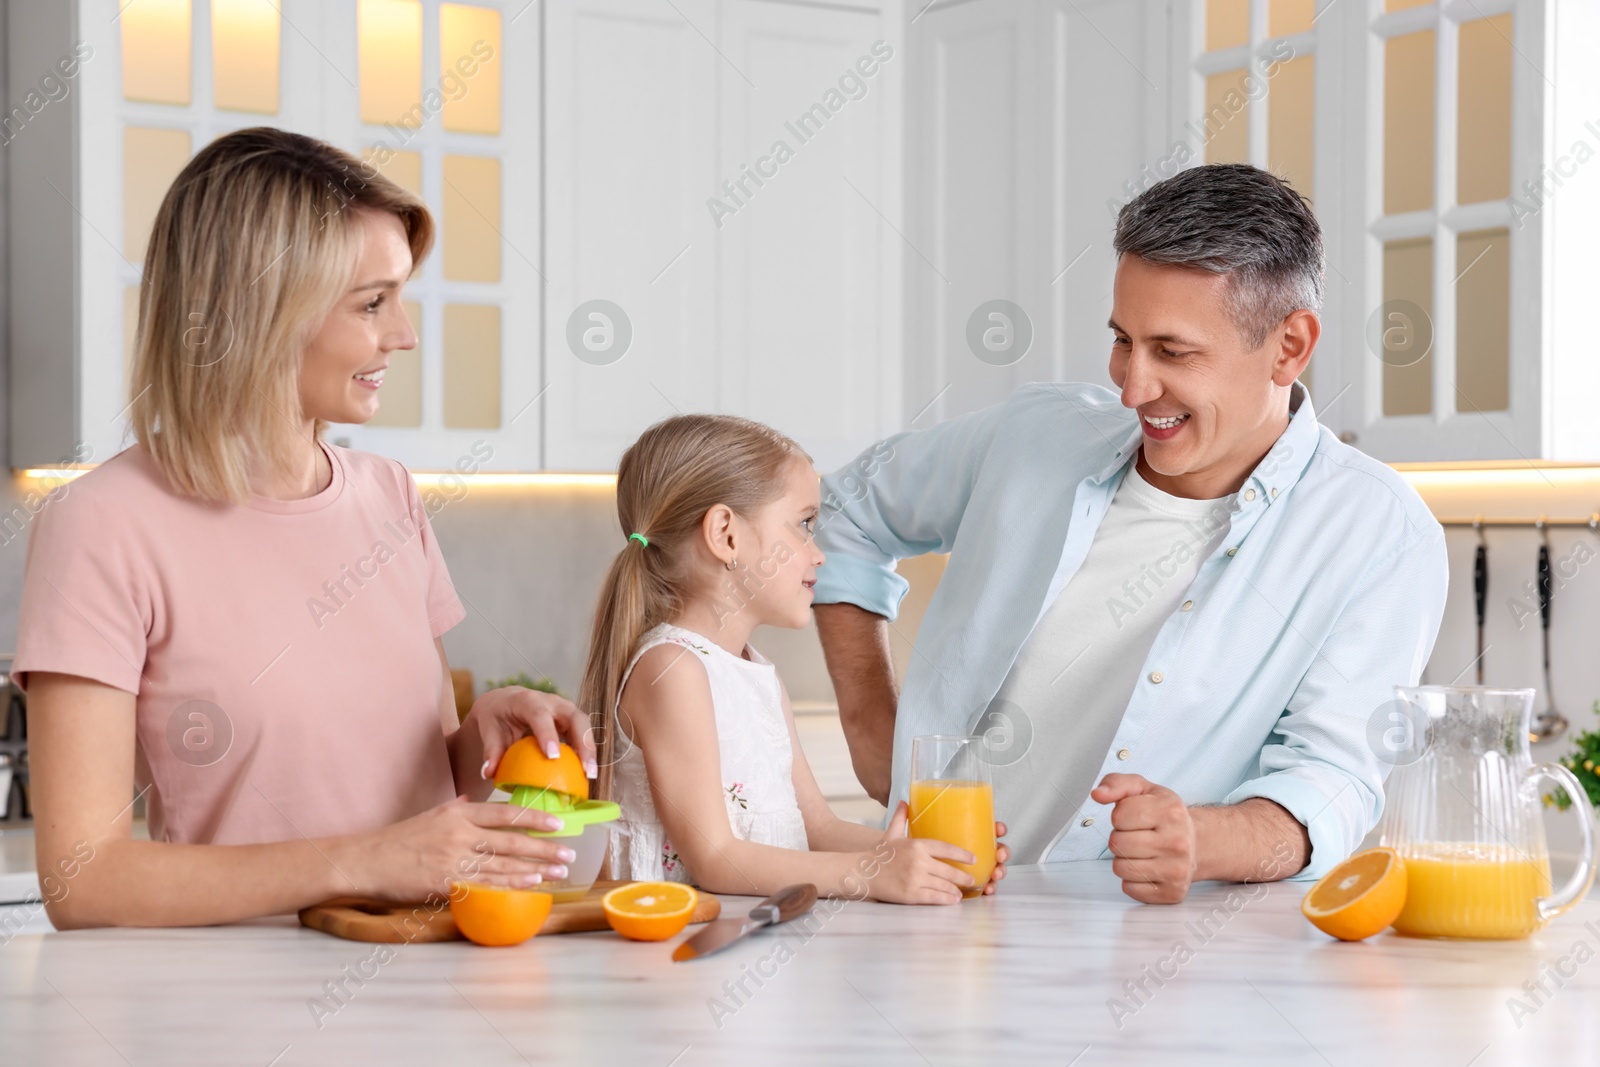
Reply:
x=1152, y=836
x=1162, y=846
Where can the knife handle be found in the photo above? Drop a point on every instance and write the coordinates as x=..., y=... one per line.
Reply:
x=1546, y=592
x=791, y=902
x=1480, y=583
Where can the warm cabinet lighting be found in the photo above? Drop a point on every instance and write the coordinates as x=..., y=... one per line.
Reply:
x=244, y=55
x=389, y=51
x=155, y=50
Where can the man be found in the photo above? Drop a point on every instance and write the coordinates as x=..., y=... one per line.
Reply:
x=1184, y=604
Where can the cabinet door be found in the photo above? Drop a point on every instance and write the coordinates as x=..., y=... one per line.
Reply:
x=808, y=275
x=974, y=154
x=1439, y=278
x=629, y=270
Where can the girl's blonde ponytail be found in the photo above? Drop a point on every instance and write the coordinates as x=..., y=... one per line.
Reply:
x=677, y=471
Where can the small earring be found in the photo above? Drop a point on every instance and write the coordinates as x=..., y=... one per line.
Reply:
x=732, y=563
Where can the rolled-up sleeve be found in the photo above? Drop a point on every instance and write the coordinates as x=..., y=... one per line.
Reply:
x=1321, y=762
x=904, y=496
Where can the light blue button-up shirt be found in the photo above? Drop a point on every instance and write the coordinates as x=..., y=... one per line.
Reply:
x=1325, y=594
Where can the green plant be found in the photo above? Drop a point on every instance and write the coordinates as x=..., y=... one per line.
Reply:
x=1582, y=763
x=543, y=685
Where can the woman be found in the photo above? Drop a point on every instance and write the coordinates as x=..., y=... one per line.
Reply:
x=243, y=621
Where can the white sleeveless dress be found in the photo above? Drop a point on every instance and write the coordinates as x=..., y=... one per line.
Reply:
x=756, y=759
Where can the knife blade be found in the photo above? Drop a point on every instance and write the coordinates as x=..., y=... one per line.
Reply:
x=788, y=903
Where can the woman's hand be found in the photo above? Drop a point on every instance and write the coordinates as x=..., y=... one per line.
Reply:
x=503, y=716
x=455, y=841
x=1001, y=854
x=916, y=871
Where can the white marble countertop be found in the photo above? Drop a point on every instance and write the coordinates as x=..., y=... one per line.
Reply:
x=1026, y=977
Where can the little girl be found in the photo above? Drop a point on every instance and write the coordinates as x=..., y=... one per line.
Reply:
x=697, y=743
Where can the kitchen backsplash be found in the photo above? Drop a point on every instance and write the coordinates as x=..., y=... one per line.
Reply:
x=527, y=562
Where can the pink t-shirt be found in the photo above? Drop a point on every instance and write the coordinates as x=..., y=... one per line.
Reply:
x=281, y=651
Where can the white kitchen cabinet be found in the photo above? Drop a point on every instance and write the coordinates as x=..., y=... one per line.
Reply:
x=770, y=297
x=630, y=156
x=1451, y=146
x=90, y=167
x=1028, y=125
x=808, y=336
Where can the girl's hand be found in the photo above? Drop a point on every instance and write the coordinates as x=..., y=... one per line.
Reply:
x=503, y=716
x=916, y=871
x=1001, y=854
x=455, y=841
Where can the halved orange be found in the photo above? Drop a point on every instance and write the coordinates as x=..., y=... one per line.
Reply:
x=524, y=764
x=1360, y=896
x=497, y=915
x=649, y=911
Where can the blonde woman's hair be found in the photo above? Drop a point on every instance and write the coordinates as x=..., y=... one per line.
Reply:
x=677, y=471
x=255, y=242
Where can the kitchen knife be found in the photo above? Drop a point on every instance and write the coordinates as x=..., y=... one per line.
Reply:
x=1480, y=591
x=787, y=903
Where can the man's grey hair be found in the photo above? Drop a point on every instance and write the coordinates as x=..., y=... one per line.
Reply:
x=1238, y=220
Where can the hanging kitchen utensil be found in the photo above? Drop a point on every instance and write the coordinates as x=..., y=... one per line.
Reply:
x=1480, y=589
x=1550, y=722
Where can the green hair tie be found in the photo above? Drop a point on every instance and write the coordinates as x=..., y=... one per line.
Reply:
x=641, y=538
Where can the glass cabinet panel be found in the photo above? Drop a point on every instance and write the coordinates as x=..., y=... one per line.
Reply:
x=469, y=64
x=1285, y=17
x=471, y=222
x=1408, y=119
x=155, y=50
x=389, y=35
x=1290, y=125
x=471, y=366
x=151, y=158
x=1483, y=140
x=1227, y=24
x=1407, y=339
x=1483, y=321
x=244, y=55
x=1227, y=118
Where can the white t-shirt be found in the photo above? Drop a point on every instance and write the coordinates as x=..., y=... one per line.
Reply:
x=1076, y=672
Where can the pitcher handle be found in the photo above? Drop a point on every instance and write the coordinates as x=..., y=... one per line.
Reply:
x=1582, y=878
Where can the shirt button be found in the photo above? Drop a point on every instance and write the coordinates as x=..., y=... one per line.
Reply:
x=1155, y=676
x=1123, y=753
x=1274, y=494
x=1249, y=494
x=1188, y=605
x=1089, y=821
x=1233, y=551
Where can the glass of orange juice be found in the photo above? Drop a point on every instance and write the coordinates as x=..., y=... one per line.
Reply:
x=952, y=799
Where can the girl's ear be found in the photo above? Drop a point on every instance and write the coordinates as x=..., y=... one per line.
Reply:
x=716, y=528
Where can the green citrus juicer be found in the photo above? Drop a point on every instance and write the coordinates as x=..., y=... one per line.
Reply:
x=586, y=828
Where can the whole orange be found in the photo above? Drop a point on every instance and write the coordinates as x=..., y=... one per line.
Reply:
x=524, y=764
x=495, y=915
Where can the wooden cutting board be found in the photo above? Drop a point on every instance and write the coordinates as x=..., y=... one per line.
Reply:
x=360, y=919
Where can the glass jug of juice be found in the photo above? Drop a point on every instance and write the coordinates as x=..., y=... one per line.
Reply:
x=952, y=799
x=1464, y=812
